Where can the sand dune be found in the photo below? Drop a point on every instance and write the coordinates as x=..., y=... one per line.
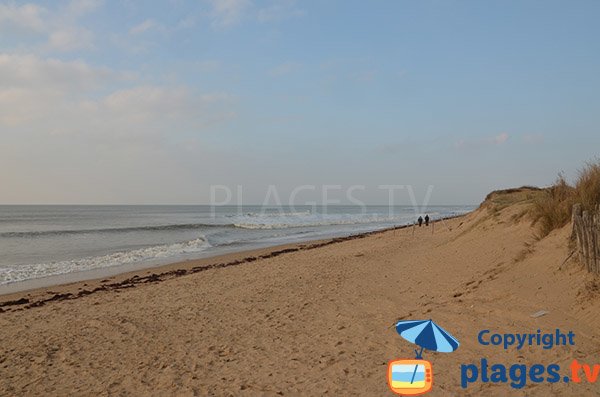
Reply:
x=313, y=321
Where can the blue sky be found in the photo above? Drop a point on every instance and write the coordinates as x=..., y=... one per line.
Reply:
x=154, y=102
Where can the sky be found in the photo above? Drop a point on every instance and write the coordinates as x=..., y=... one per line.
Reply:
x=138, y=102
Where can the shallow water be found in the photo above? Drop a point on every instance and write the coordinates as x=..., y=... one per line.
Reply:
x=42, y=241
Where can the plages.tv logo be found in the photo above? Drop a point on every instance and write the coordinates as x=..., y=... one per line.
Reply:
x=411, y=377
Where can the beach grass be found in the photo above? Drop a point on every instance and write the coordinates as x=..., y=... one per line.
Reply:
x=552, y=208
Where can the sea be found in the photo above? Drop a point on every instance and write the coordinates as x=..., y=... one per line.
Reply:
x=46, y=245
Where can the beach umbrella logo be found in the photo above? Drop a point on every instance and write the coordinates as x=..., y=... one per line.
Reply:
x=411, y=377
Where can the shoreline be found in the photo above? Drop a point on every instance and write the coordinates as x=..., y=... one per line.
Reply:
x=55, y=280
x=324, y=315
x=40, y=295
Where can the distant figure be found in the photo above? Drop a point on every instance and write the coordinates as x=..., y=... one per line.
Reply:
x=426, y=220
x=420, y=220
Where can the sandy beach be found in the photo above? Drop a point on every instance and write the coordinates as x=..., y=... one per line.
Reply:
x=299, y=198
x=309, y=319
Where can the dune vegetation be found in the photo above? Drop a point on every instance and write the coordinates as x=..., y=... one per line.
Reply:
x=552, y=206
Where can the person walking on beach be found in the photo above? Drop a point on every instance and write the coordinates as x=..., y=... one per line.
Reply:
x=420, y=220
x=426, y=220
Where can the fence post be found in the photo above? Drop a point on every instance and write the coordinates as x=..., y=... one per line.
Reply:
x=578, y=230
x=586, y=240
x=595, y=242
x=586, y=231
x=597, y=237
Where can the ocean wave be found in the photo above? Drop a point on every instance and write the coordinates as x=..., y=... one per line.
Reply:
x=113, y=230
x=327, y=221
x=271, y=213
x=25, y=272
x=246, y=221
x=250, y=221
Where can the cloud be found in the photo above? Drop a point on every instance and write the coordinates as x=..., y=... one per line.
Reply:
x=280, y=10
x=59, y=97
x=33, y=88
x=60, y=27
x=500, y=139
x=78, y=8
x=64, y=32
x=145, y=26
x=70, y=39
x=159, y=104
x=32, y=72
x=461, y=143
x=226, y=13
x=27, y=17
x=69, y=127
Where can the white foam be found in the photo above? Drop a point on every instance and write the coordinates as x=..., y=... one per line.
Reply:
x=318, y=220
x=25, y=272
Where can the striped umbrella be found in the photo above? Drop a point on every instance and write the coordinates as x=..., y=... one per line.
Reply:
x=428, y=335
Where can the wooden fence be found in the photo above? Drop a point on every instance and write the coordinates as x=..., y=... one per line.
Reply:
x=586, y=231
